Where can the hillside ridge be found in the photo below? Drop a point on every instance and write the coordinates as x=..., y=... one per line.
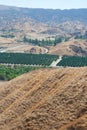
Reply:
x=44, y=99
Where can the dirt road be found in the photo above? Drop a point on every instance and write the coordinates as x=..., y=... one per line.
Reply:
x=54, y=63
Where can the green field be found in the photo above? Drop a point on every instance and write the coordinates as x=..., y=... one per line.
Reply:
x=10, y=72
x=19, y=61
x=28, y=59
x=73, y=61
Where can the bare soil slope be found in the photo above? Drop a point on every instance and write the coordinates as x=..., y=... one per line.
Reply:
x=72, y=47
x=79, y=124
x=45, y=99
x=10, y=45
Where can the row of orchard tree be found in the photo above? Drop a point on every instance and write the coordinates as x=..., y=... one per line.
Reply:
x=73, y=61
x=28, y=59
x=43, y=42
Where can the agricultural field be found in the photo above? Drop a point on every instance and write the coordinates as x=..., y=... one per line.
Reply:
x=10, y=72
x=28, y=59
x=73, y=61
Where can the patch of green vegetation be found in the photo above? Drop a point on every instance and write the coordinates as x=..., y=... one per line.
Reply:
x=10, y=72
x=43, y=42
x=28, y=59
x=73, y=61
x=66, y=39
x=7, y=35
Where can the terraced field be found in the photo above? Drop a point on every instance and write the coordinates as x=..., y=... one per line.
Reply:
x=45, y=99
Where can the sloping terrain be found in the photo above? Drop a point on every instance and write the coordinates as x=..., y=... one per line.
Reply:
x=52, y=16
x=16, y=24
x=79, y=124
x=2, y=83
x=9, y=45
x=45, y=99
x=72, y=47
x=41, y=23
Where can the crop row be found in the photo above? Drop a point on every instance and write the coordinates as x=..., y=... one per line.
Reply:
x=73, y=61
x=28, y=59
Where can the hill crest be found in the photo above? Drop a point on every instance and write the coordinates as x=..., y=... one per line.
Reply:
x=44, y=99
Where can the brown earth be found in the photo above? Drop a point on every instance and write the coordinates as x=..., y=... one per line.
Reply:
x=10, y=45
x=3, y=83
x=45, y=99
x=27, y=49
x=72, y=47
x=79, y=124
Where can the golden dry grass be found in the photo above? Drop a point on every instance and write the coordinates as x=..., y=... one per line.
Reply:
x=72, y=47
x=45, y=99
x=10, y=45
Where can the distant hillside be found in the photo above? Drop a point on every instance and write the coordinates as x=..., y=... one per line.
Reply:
x=71, y=47
x=46, y=99
x=46, y=15
x=17, y=24
x=43, y=21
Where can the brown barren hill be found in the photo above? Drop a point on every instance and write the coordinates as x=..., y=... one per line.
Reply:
x=45, y=99
x=9, y=45
x=79, y=124
x=72, y=47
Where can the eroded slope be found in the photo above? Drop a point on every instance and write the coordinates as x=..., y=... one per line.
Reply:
x=71, y=47
x=46, y=99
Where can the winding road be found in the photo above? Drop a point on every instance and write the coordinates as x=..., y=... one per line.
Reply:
x=7, y=49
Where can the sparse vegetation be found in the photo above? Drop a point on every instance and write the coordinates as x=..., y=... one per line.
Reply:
x=48, y=98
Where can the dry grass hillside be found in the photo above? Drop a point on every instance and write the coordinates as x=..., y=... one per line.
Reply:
x=71, y=47
x=9, y=45
x=79, y=124
x=45, y=99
